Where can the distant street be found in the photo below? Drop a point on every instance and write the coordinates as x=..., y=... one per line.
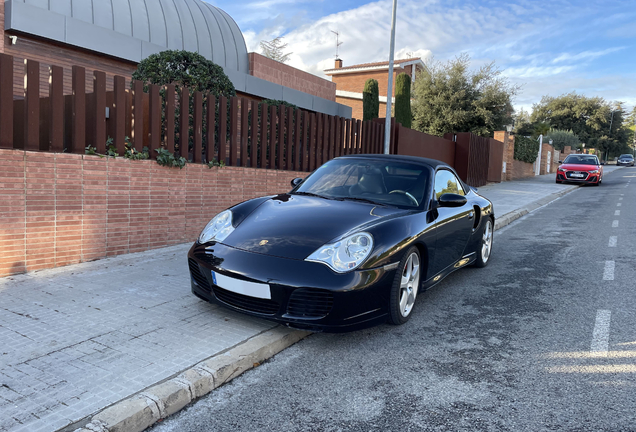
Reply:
x=544, y=338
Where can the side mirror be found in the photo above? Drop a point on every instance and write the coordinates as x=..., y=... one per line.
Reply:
x=295, y=182
x=452, y=200
x=602, y=163
x=560, y=161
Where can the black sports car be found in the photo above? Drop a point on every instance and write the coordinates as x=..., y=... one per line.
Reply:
x=349, y=247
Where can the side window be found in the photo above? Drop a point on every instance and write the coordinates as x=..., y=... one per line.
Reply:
x=446, y=182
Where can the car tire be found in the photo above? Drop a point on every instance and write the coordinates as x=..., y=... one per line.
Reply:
x=559, y=182
x=406, y=284
x=485, y=248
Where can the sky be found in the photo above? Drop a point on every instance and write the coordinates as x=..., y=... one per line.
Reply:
x=547, y=47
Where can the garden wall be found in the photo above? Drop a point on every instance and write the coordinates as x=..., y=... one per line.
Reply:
x=60, y=209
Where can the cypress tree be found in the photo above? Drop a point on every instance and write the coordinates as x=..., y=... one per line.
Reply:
x=403, y=100
x=370, y=100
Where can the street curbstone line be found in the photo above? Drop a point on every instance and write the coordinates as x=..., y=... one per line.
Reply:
x=144, y=409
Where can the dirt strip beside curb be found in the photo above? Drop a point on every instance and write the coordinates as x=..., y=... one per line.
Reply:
x=144, y=409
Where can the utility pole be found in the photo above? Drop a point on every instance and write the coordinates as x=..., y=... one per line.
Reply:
x=389, y=90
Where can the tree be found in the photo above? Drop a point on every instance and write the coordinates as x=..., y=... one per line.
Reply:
x=370, y=100
x=563, y=138
x=184, y=69
x=403, y=100
x=274, y=49
x=448, y=97
x=630, y=124
x=598, y=123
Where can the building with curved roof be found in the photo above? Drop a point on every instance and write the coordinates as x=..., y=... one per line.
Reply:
x=115, y=35
x=134, y=29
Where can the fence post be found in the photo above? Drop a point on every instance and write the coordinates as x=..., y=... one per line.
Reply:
x=211, y=123
x=298, y=141
x=223, y=129
x=254, y=136
x=289, y=142
x=6, y=101
x=197, y=153
x=234, y=136
x=319, y=140
x=333, y=139
x=339, y=140
x=170, y=114
x=99, y=96
x=263, y=130
x=119, y=115
x=281, y=137
x=244, y=123
x=154, y=114
x=184, y=123
x=312, y=142
x=138, y=115
x=358, y=136
x=347, y=136
x=272, y=136
x=32, y=105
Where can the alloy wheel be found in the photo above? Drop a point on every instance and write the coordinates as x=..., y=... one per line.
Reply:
x=409, y=284
x=486, y=242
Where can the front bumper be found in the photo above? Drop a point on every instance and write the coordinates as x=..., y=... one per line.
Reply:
x=304, y=295
x=625, y=163
x=589, y=179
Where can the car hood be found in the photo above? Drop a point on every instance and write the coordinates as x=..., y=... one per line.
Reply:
x=294, y=226
x=578, y=167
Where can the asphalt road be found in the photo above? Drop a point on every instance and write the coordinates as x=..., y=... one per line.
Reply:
x=544, y=338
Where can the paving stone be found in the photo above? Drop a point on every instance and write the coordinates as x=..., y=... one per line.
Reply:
x=85, y=336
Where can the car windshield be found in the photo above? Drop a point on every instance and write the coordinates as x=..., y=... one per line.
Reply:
x=581, y=160
x=626, y=156
x=384, y=182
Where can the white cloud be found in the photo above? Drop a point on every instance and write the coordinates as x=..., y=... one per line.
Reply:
x=521, y=37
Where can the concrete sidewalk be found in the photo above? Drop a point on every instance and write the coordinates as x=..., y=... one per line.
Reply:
x=91, y=342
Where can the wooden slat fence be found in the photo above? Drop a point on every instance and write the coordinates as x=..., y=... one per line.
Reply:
x=201, y=128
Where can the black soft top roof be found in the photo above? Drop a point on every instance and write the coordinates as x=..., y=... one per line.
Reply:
x=433, y=163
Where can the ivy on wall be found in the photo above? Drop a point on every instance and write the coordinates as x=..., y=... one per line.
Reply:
x=526, y=149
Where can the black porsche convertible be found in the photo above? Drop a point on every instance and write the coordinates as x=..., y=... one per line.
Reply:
x=350, y=246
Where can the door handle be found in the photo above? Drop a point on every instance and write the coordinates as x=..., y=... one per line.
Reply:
x=471, y=215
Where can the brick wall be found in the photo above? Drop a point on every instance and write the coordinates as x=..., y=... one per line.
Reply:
x=521, y=170
x=354, y=82
x=280, y=73
x=49, y=53
x=62, y=208
x=545, y=150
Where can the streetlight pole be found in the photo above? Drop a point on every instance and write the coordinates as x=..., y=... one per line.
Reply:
x=389, y=91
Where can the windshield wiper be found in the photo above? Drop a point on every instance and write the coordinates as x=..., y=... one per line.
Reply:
x=312, y=194
x=366, y=200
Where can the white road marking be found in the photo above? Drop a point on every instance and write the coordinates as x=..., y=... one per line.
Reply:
x=608, y=273
x=617, y=213
x=615, y=224
x=620, y=199
x=600, y=335
x=619, y=204
x=612, y=241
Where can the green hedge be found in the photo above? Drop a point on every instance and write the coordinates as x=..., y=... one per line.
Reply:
x=526, y=149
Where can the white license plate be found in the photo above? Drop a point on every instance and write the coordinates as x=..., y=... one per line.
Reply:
x=251, y=289
x=577, y=175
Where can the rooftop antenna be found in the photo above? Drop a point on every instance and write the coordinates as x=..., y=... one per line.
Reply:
x=338, y=43
x=409, y=54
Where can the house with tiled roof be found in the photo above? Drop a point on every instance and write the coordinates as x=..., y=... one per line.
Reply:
x=350, y=80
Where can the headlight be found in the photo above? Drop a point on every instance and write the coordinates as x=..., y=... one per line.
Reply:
x=346, y=254
x=218, y=228
x=594, y=172
x=561, y=169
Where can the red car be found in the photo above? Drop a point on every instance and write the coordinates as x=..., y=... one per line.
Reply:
x=580, y=168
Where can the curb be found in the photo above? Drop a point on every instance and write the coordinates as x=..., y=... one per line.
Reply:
x=144, y=409
x=512, y=216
